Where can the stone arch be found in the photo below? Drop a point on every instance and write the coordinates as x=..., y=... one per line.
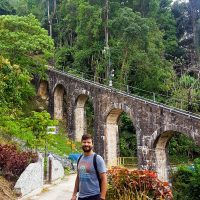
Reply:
x=161, y=153
x=59, y=92
x=80, y=116
x=112, y=135
x=43, y=90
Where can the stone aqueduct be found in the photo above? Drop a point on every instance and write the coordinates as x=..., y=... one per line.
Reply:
x=155, y=124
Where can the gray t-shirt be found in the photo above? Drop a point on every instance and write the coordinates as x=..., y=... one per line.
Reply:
x=88, y=181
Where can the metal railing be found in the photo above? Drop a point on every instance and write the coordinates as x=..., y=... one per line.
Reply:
x=152, y=98
x=129, y=162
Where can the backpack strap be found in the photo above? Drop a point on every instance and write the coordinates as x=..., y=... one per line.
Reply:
x=79, y=160
x=95, y=167
x=77, y=166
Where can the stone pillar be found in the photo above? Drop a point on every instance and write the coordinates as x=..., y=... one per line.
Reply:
x=112, y=144
x=161, y=164
x=58, y=103
x=146, y=158
x=79, y=113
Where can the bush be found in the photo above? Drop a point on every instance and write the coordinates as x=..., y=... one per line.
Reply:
x=13, y=162
x=125, y=184
x=185, y=182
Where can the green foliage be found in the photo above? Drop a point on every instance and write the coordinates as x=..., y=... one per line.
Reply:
x=136, y=44
x=25, y=7
x=24, y=42
x=187, y=23
x=6, y=8
x=127, y=137
x=140, y=47
x=89, y=117
x=32, y=130
x=186, y=182
x=62, y=145
x=182, y=149
x=67, y=171
x=186, y=89
x=15, y=86
x=37, y=125
x=167, y=25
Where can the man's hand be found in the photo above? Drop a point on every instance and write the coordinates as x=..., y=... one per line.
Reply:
x=73, y=197
x=74, y=194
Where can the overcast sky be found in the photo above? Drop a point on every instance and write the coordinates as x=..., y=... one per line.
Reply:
x=181, y=0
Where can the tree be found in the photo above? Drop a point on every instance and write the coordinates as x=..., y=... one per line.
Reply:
x=167, y=25
x=15, y=91
x=15, y=86
x=127, y=137
x=79, y=37
x=186, y=91
x=6, y=8
x=37, y=124
x=25, y=43
x=138, y=52
x=188, y=32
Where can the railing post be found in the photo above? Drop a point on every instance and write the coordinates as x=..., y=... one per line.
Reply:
x=181, y=104
x=127, y=88
x=154, y=97
x=82, y=75
x=50, y=170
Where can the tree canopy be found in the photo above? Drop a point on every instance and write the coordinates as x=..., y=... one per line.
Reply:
x=24, y=42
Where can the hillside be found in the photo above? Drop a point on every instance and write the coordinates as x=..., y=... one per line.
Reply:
x=5, y=190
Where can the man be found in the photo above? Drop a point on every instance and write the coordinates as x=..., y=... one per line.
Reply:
x=87, y=183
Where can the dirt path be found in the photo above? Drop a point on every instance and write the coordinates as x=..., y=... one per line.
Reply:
x=60, y=191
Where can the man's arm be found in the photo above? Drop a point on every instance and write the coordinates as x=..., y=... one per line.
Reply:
x=103, y=177
x=76, y=186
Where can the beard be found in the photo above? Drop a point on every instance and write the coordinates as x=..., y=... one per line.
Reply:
x=86, y=148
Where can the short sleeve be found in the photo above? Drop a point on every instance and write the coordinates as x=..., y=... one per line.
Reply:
x=101, y=165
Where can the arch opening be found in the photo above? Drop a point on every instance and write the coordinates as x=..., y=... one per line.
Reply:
x=43, y=90
x=127, y=137
x=119, y=136
x=171, y=149
x=59, y=101
x=41, y=101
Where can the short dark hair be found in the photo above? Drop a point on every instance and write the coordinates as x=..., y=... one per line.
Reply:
x=86, y=137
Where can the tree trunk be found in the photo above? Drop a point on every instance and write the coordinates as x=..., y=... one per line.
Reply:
x=123, y=68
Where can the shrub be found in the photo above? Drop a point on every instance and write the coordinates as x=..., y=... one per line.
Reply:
x=185, y=182
x=125, y=184
x=13, y=162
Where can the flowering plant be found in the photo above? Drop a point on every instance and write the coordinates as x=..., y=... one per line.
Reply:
x=127, y=184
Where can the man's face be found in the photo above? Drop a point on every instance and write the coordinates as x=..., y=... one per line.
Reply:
x=87, y=145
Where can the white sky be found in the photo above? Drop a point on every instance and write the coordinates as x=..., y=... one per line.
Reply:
x=181, y=0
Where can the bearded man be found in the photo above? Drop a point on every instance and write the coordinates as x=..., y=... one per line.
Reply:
x=91, y=180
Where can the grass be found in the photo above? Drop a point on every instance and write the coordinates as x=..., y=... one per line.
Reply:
x=63, y=145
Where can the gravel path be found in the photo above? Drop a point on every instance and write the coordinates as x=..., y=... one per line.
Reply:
x=60, y=191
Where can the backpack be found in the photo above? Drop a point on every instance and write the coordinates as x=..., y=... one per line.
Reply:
x=95, y=167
